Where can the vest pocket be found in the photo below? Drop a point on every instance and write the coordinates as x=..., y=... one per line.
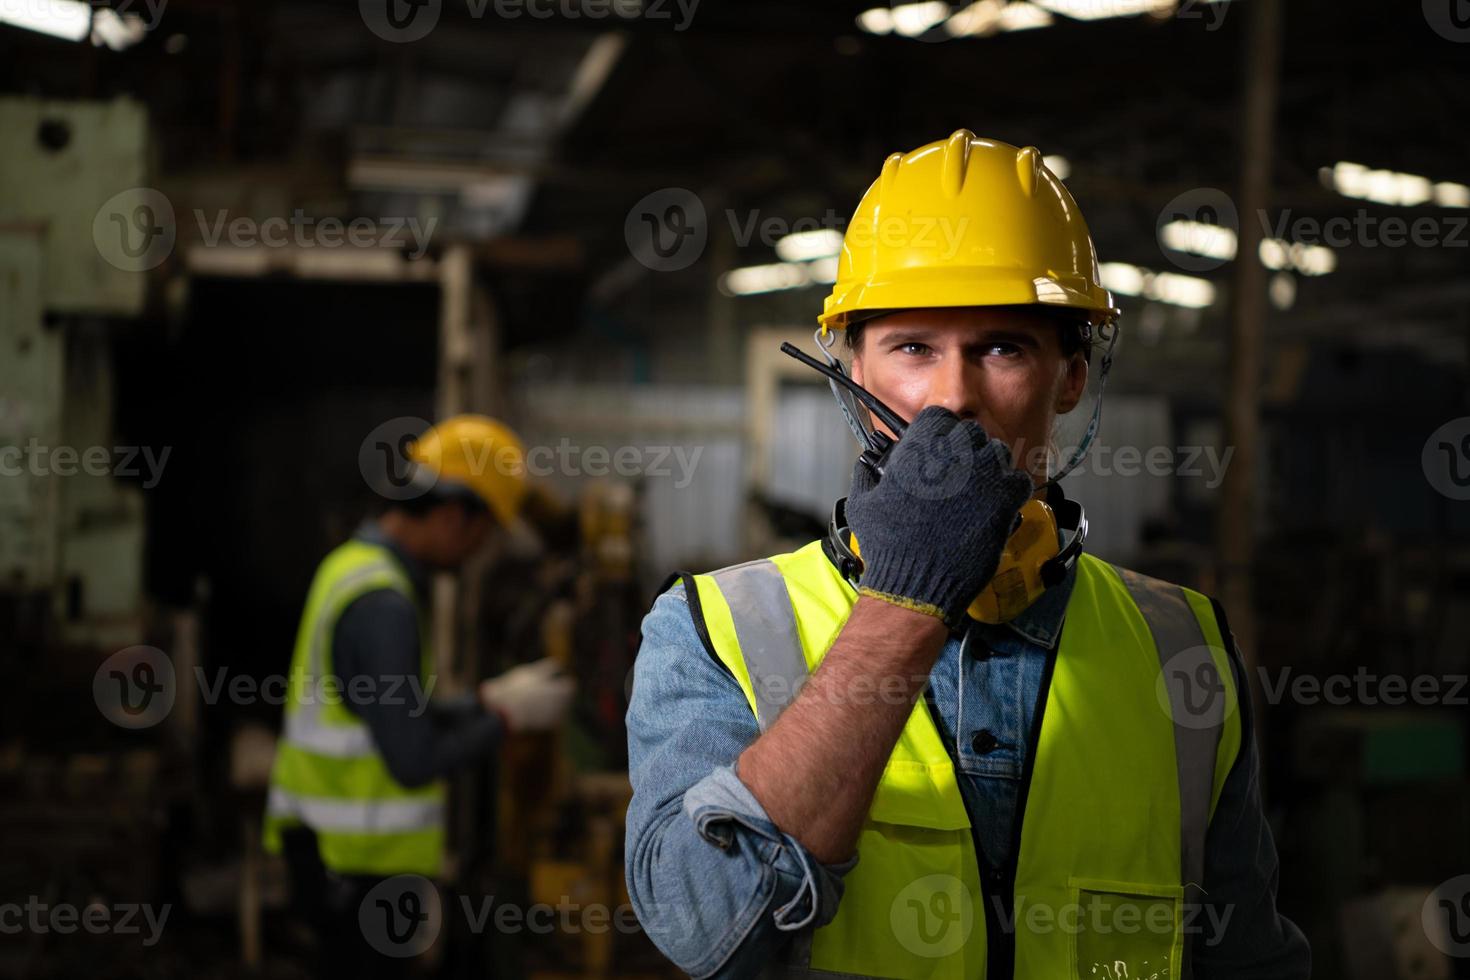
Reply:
x=1123, y=930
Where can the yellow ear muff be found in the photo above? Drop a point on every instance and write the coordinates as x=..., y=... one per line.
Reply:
x=1017, y=582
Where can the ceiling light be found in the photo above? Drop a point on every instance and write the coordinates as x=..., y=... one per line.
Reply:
x=753, y=279
x=913, y=19
x=815, y=244
x=69, y=19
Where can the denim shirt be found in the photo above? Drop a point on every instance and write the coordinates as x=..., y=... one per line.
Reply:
x=719, y=888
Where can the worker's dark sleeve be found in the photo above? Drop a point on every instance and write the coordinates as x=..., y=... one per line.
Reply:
x=376, y=652
x=1238, y=933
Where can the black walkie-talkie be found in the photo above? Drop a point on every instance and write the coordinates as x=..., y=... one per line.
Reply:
x=879, y=445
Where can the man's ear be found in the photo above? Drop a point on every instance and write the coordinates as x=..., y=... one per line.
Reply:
x=1073, y=384
x=856, y=368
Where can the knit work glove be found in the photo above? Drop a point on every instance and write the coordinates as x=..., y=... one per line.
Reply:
x=931, y=531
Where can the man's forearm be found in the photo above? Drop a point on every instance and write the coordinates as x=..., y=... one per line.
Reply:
x=814, y=771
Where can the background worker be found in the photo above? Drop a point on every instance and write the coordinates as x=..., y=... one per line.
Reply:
x=358, y=786
x=945, y=741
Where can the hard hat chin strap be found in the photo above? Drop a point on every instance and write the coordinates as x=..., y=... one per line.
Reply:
x=1108, y=333
x=852, y=409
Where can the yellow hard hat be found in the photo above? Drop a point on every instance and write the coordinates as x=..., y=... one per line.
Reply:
x=476, y=453
x=965, y=222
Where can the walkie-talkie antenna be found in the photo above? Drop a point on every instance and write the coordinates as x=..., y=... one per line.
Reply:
x=870, y=401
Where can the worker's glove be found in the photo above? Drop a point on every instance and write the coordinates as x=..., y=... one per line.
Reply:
x=931, y=531
x=530, y=697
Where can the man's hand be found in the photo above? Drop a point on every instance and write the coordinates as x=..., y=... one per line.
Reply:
x=932, y=530
x=530, y=697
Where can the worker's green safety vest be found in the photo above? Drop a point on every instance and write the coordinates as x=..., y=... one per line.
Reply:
x=328, y=774
x=1138, y=731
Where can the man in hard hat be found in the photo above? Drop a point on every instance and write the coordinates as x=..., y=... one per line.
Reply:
x=945, y=741
x=357, y=791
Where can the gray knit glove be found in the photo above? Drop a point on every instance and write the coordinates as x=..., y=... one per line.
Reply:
x=931, y=531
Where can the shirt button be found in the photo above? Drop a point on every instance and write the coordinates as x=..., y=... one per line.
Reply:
x=983, y=741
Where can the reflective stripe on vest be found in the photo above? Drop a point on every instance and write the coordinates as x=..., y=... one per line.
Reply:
x=354, y=817
x=765, y=623
x=772, y=657
x=1184, y=657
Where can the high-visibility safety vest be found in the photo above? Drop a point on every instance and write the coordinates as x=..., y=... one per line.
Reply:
x=1137, y=732
x=328, y=774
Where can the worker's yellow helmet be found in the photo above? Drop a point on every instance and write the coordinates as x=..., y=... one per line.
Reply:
x=965, y=222
x=478, y=454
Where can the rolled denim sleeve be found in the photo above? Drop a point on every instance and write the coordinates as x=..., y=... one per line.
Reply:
x=717, y=886
x=1241, y=935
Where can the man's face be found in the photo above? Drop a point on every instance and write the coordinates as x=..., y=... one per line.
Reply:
x=455, y=534
x=1002, y=367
